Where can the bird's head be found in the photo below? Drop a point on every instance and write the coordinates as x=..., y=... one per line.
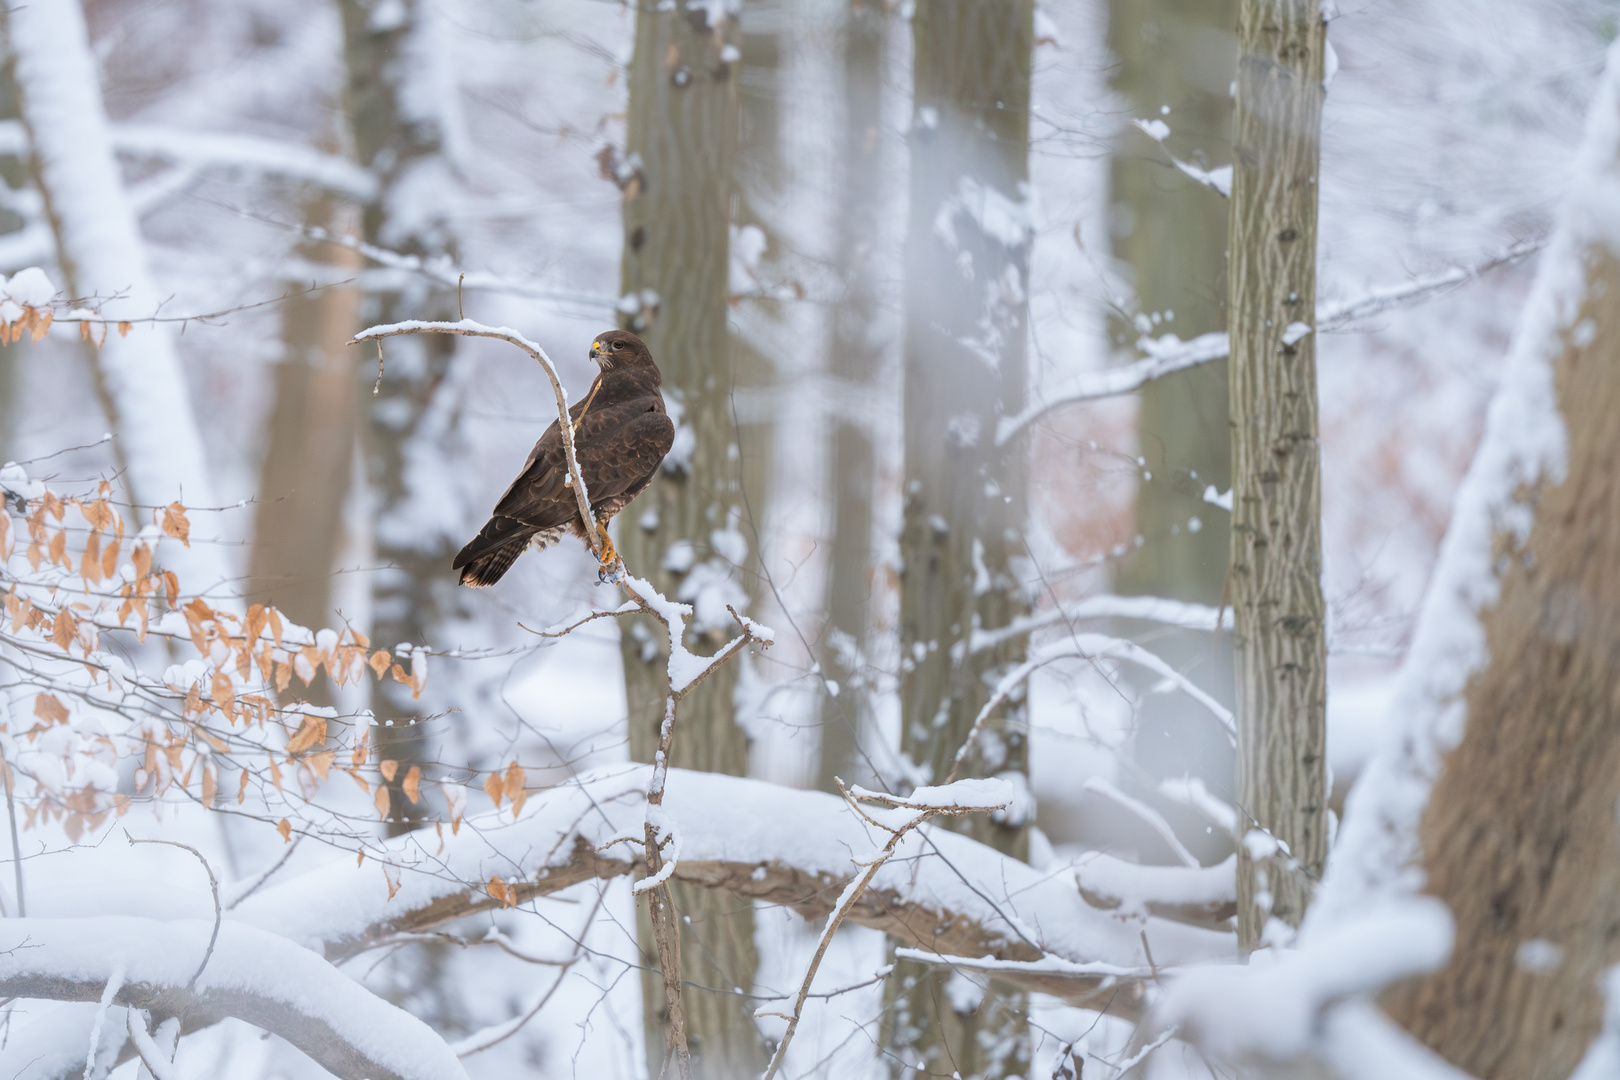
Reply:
x=620, y=349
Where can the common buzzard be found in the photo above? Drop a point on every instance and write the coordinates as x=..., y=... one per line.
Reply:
x=621, y=433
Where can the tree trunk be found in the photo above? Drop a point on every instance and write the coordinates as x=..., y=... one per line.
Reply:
x=396, y=135
x=853, y=359
x=1276, y=578
x=1170, y=231
x=1519, y=837
x=304, y=480
x=685, y=534
x=961, y=544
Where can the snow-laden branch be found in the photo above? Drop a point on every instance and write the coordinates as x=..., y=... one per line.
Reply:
x=758, y=841
x=253, y=976
x=250, y=154
x=1169, y=354
x=1147, y=608
x=101, y=252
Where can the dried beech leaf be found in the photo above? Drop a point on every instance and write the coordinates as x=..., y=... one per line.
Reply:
x=175, y=523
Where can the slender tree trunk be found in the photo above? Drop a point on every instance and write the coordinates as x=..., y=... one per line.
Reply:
x=685, y=534
x=1520, y=837
x=397, y=135
x=961, y=543
x=304, y=481
x=1281, y=649
x=853, y=360
x=1171, y=233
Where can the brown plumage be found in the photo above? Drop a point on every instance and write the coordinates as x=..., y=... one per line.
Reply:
x=621, y=433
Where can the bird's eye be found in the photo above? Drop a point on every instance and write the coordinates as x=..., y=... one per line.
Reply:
x=617, y=345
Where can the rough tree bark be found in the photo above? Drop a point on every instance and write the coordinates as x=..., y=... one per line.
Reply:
x=683, y=534
x=1276, y=586
x=852, y=359
x=1519, y=837
x=961, y=544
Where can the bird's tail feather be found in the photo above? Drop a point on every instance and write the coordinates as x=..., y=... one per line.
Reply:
x=489, y=554
x=488, y=568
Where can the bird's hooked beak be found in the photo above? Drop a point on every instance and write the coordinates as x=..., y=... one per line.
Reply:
x=596, y=351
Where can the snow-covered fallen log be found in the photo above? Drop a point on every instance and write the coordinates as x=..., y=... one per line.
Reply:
x=251, y=975
x=943, y=893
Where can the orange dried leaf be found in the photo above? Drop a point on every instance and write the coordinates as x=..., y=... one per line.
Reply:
x=497, y=889
x=124, y=328
x=210, y=787
x=492, y=786
x=379, y=662
x=224, y=695
x=388, y=768
x=58, y=550
x=321, y=763
x=310, y=733
x=193, y=700
x=142, y=560
x=512, y=788
x=99, y=514
x=90, y=561
x=63, y=629
x=285, y=829
x=50, y=710
x=43, y=325
x=109, y=559
x=241, y=789
x=412, y=786
x=52, y=504
x=382, y=802
x=175, y=523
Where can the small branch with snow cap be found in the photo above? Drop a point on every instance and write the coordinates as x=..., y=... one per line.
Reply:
x=950, y=800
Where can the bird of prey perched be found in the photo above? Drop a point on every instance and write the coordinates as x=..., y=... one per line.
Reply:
x=621, y=433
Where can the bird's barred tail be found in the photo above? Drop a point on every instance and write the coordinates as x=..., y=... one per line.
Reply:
x=487, y=569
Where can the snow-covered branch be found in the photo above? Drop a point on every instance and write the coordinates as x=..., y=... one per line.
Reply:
x=1169, y=354
x=223, y=151
x=756, y=840
x=252, y=975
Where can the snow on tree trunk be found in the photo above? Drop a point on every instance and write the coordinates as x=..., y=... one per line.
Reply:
x=104, y=261
x=961, y=547
x=1276, y=577
x=1513, y=679
x=685, y=533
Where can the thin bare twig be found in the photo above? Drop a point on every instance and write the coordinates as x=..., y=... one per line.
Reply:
x=213, y=883
x=852, y=893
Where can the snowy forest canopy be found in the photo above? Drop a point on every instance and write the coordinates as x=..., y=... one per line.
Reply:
x=1130, y=592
